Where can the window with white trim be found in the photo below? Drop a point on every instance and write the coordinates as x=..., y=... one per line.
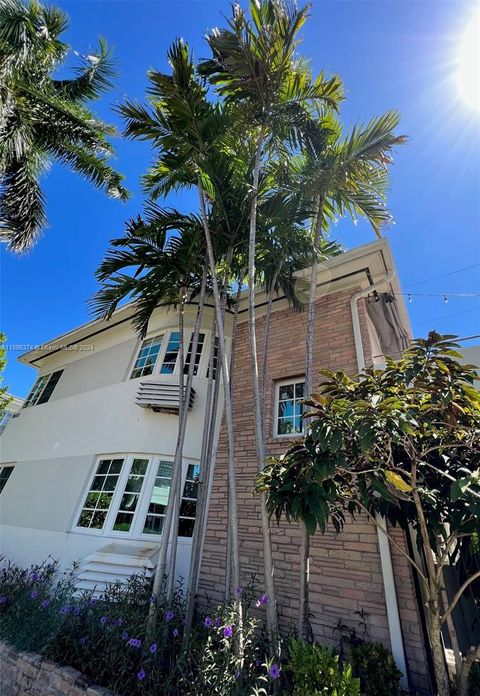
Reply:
x=5, y=473
x=100, y=496
x=198, y=354
x=128, y=497
x=171, y=354
x=147, y=357
x=289, y=407
x=42, y=389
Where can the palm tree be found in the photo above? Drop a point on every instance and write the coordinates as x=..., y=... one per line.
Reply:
x=163, y=256
x=256, y=71
x=340, y=176
x=187, y=131
x=45, y=120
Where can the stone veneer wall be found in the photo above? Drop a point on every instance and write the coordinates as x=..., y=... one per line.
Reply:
x=27, y=674
x=345, y=570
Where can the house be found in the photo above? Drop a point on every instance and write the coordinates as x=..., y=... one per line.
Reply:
x=92, y=452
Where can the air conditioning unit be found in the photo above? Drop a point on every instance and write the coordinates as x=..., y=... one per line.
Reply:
x=161, y=397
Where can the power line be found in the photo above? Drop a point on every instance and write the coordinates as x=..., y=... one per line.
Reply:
x=446, y=316
x=444, y=275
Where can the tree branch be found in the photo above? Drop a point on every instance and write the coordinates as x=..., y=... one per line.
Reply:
x=459, y=593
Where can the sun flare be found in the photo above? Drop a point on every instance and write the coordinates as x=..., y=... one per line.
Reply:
x=468, y=64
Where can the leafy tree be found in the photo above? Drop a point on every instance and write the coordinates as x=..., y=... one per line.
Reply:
x=403, y=442
x=45, y=120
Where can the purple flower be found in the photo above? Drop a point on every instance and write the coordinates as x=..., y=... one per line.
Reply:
x=274, y=671
x=227, y=631
x=45, y=603
x=153, y=599
x=169, y=615
x=34, y=577
x=218, y=623
x=124, y=635
x=238, y=592
x=208, y=622
x=82, y=641
x=263, y=601
x=175, y=633
x=64, y=610
x=103, y=620
x=3, y=599
x=238, y=675
x=141, y=675
x=34, y=594
x=134, y=643
x=153, y=648
x=118, y=622
x=76, y=611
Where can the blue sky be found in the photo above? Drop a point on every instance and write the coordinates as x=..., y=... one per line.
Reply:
x=390, y=54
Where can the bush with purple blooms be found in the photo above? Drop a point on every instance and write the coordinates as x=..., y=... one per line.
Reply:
x=105, y=638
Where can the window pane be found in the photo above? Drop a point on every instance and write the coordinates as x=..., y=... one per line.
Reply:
x=185, y=527
x=51, y=384
x=153, y=525
x=147, y=357
x=215, y=360
x=99, y=498
x=5, y=473
x=170, y=358
x=123, y=522
x=198, y=354
x=290, y=408
x=187, y=508
x=158, y=502
x=139, y=466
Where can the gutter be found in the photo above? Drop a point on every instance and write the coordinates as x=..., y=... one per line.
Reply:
x=393, y=615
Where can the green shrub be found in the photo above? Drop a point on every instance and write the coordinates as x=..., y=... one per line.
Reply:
x=376, y=669
x=316, y=671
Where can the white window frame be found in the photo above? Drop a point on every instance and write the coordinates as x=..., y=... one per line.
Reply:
x=166, y=333
x=39, y=395
x=278, y=386
x=136, y=530
x=6, y=466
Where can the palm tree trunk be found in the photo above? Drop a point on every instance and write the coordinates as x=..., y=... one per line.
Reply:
x=206, y=470
x=303, y=624
x=232, y=489
x=233, y=348
x=185, y=393
x=272, y=620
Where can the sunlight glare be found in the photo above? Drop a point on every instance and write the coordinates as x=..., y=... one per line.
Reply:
x=468, y=70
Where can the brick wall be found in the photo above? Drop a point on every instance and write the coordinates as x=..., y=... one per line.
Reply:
x=27, y=674
x=345, y=570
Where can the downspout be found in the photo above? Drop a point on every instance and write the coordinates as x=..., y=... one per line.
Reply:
x=393, y=615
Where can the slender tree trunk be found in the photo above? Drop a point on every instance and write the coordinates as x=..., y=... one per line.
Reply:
x=232, y=490
x=272, y=619
x=186, y=391
x=303, y=624
x=228, y=547
x=434, y=599
x=206, y=467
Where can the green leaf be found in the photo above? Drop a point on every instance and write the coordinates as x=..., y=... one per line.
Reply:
x=459, y=487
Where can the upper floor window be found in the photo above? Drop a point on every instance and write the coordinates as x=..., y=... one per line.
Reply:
x=5, y=473
x=289, y=407
x=42, y=389
x=5, y=417
x=170, y=359
x=147, y=357
x=198, y=354
x=163, y=350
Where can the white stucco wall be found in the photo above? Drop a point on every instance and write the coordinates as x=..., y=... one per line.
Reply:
x=54, y=446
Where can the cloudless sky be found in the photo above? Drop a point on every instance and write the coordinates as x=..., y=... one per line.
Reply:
x=390, y=54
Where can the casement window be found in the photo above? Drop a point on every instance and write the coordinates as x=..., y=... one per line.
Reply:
x=157, y=506
x=42, y=389
x=5, y=473
x=215, y=360
x=198, y=355
x=170, y=359
x=100, y=496
x=147, y=357
x=128, y=497
x=188, y=506
x=288, y=407
x=159, y=355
